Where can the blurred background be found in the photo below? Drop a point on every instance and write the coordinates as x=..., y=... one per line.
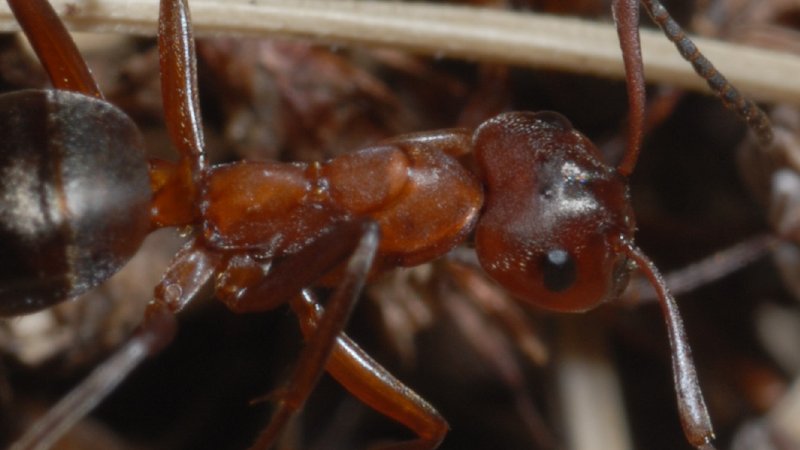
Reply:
x=503, y=375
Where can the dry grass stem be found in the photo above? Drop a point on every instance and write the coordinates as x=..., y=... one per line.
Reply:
x=461, y=32
x=589, y=388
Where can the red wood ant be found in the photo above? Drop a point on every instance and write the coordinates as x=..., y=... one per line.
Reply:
x=552, y=222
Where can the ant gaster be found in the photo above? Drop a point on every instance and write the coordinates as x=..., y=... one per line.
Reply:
x=553, y=223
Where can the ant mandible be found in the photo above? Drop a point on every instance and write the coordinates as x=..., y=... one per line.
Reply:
x=552, y=222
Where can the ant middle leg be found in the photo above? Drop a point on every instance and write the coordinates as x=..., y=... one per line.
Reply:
x=367, y=380
x=191, y=270
x=240, y=288
x=175, y=186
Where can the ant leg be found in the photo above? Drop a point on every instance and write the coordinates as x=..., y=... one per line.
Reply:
x=175, y=187
x=245, y=286
x=310, y=264
x=626, y=16
x=190, y=270
x=60, y=418
x=755, y=117
x=368, y=381
x=179, y=91
x=54, y=47
x=691, y=405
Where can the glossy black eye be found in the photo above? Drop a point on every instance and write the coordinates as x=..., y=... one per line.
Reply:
x=558, y=270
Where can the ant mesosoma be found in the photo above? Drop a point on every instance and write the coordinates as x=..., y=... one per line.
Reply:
x=552, y=222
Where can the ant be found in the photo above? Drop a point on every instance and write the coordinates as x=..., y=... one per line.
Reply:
x=552, y=223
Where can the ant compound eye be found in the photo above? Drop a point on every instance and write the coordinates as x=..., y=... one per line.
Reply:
x=558, y=270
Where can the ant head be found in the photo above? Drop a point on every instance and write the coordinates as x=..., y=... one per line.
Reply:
x=554, y=215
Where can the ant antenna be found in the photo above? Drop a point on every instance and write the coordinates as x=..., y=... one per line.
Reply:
x=693, y=412
x=748, y=111
x=626, y=15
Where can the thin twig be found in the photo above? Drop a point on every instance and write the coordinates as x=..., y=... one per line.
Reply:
x=709, y=269
x=589, y=387
x=522, y=39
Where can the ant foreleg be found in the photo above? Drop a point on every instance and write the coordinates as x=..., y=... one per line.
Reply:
x=54, y=47
x=691, y=405
x=175, y=186
x=367, y=380
x=190, y=270
x=177, y=60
